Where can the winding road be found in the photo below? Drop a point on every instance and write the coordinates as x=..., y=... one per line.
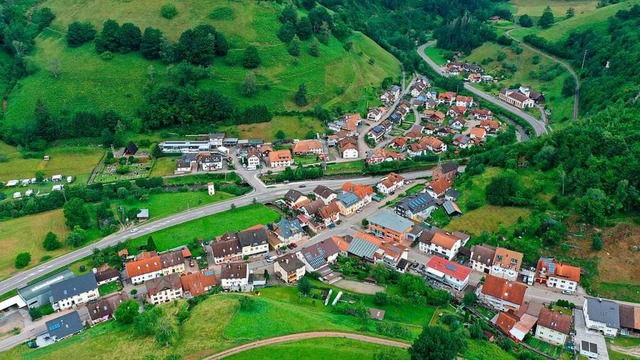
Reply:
x=538, y=126
x=561, y=62
x=304, y=336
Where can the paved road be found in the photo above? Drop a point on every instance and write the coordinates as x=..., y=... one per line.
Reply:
x=538, y=126
x=304, y=336
x=561, y=62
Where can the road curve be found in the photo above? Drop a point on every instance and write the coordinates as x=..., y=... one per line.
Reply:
x=304, y=336
x=561, y=62
x=538, y=126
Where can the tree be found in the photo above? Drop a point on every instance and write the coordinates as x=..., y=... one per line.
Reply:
x=43, y=17
x=547, y=19
x=380, y=273
x=130, y=38
x=280, y=135
x=22, y=260
x=127, y=312
x=51, y=242
x=381, y=298
x=168, y=11
x=364, y=223
x=475, y=331
x=596, y=242
x=197, y=45
x=76, y=238
x=571, y=12
x=151, y=245
x=436, y=343
x=304, y=29
x=76, y=214
x=525, y=21
x=314, y=49
x=386, y=354
x=287, y=32
x=109, y=39
x=593, y=207
x=308, y=4
x=151, y=43
x=324, y=34
x=301, y=95
x=568, y=86
x=469, y=299
x=289, y=15
x=164, y=332
x=246, y=303
x=294, y=47
x=251, y=58
x=39, y=176
x=79, y=33
x=304, y=286
x=249, y=86
x=221, y=44
x=505, y=190
x=266, y=275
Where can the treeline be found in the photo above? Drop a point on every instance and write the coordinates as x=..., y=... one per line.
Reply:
x=463, y=34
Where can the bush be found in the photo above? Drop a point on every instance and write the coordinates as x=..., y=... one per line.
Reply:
x=51, y=242
x=22, y=260
x=168, y=11
x=247, y=303
x=79, y=33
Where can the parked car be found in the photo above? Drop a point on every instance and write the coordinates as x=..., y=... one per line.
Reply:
x=414, y=265
x=566, y=292
x=290, y=246
x=294, y=245
x=303, y=186
x=422, y=268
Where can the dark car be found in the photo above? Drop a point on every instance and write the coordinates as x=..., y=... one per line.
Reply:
x=302, y=186
x=294, y=245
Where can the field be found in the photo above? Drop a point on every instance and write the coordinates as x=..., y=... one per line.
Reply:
x=161, y=205
x=75, y=161
x=319, y=349
x=210, y=226
x=293, y=127
x=435, y=54
x=487, y=218
x=347, y=167
x=87, y=82
x=559, y=7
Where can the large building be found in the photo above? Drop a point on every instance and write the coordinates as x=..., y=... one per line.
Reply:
x=39, y=294
x=557, y=274
x=184, y=146
x=289, y=268
x=389, y=226
x=448, y=272
x=442, y=243
x=254, y=241
x=74, y=291
x=502, y=294
x=280, y=158
x=602, y=315
x=553, y=327
x=164, y=289
x=226, y=250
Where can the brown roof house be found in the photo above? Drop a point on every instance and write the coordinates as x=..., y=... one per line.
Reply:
x=502, y=294
x=164, y=289
x=289, y=268
x=103, y=308
x=198, y=283
x=482, y=257
x=553, y=327
x=235, y=277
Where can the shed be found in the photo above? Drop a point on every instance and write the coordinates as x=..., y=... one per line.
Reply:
x=130, y=150
x=143, y=215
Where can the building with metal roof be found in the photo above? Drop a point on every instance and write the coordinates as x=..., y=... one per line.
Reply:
x=362, y=248
x=39, y=294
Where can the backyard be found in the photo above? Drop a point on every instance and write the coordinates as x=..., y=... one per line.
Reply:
x=344, y=168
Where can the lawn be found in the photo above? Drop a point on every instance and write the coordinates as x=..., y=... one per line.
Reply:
x=559, y=7
x=436, y=54
x=487, y=218
x=618, y=291
x=161, y=205
x=306, y=159
x=293, y=127
x=76, y=161
x=319, y=349
x=553, y=351
x=484, y=350
x=164, y=166
x=209, y=227
x=348, y=167
x=109, y=288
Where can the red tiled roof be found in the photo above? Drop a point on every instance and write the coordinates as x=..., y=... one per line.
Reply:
x=143, y=266
x=555, y=321
x=196, y=283
x=504, y=289
x=449, y=267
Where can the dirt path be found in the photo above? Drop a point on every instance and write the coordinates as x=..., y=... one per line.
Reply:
x=304, y=336
x=631, y=351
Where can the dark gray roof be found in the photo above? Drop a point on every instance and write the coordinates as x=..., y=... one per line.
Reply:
x=417, y=203
x=323, y=191
x=317, y=254
x=74, y=286
x=64, y=325
x=604, y=311
x=253, y=237
x=451, y=208
x=362, y=248
x=288, y=227
x=42, y=287
x=452, y=193
x=290, y=262
x=189, y=157
x=293, y=195
x=107, y=274
x=483, y=254
x=224, y=248
x=234, y=271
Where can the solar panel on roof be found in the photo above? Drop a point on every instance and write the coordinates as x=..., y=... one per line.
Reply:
x=209, y=272
x=54, y=326
x=450, y=267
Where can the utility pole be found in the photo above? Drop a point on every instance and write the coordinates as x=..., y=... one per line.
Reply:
x=584, y=57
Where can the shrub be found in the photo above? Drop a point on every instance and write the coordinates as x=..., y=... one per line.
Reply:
x=22, y=260
x=168, y=11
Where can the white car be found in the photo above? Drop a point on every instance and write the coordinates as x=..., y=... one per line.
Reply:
x=134, y=230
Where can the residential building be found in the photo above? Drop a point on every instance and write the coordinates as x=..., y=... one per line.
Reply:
x=216, y=140
x=375, y=114
x=254, y=241
x=457, y=111
x=517, y=98
x=447, y=98
x=434, y=116
x=514, y=326
x=458, y=123
x=73, y=292
x=106, y=275
x=294, y=199
x=325, y=194
x=433, y=144
x=502, y=294
x=329, y=213
x=184, y=146
x=172, y=262
x=312, y=208
x=417, y=205
x=198, y=283
x=482, y=257
x=490, y=126
x=442, y=243
x=64, y=326
x=351, y=123
x=253, y=159
x=506, y=264
x=235, y=276
x=557, y=274
x=226, y=250
x=390, y=183
x=307, y=147
x=349, y=203
x=210, y=162
x=104, y=308
x=389, y=226
x=602, y=315
x=466, y=101
x=280, y=158
x=477, y=133
x=349, y=150
x=289, y=230
x=150, y=265
x=289, y=268
x=440, y=186
x=553, y=327
x=319, y=255
x=363, y=192
x=164, y=289
x=448, y=272
x=482, y=114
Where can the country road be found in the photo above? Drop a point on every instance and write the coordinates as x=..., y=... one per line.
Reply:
x=304, y=336
x=561, y=62
x=538, y=126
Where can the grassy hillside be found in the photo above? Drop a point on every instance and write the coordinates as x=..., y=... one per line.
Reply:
x=559, y=7
x=87, y=82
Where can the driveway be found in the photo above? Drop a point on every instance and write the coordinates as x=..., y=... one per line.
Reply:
x=584, y=334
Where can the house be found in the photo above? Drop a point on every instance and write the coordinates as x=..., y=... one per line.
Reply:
x=447, y=98
x=254, y=241
x=502, y=294
x=477, y=133
x=442, y=243
x=535, y=96
x=457, y=111
x=253, y=159
x=164, y=289
x=433, y=144
x=506, y=264
x=482, y=257
x=553, y=327
x=351, y=123
x=490, y=126
x=416, y=205
x=319, y=255
x=458, y=123
x=235, y=277
x=226, y=250
x=482, y=114
x=307, y=147
x=130, y=150
x=198, y=283
x=103, y=308
x=289, y=230
x=329, y=213
x=349, y=148
x=376, y=156
x=516, y=98
x=106, y=276
x=289, y=268
x=216, y=140
x=448, y=272
x=557, y=274
x=396, y=118
x=294, y=199
x=376, y=133
x=280, y=158
x=389, y=226
x=143, y=215
x=466, y=101
x=363, y=192
x=434, y=116
x=149, y=266
x=474, y=78
x=514, y=326
x=440, y=186
x=325, y=194
x=210, y=162
x=462, y=141
x=390, y=183
x=448, y=171
x=602, y=315
x=400, y=143
x=349, y=203
x=75, y=291
x=182, y=166
x=375, y=114
x=629, y=319
x=64, y=326
x=172, y=262
x=312, y=208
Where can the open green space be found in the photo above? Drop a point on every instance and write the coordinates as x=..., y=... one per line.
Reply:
x=436, y=54
x=209, y=227
x=484, y=350
x=294, y=127
x=319, y=349
x=559, y=7
x=619, y=291
x=109, y=288
x=161, y=205
x=347, y=167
